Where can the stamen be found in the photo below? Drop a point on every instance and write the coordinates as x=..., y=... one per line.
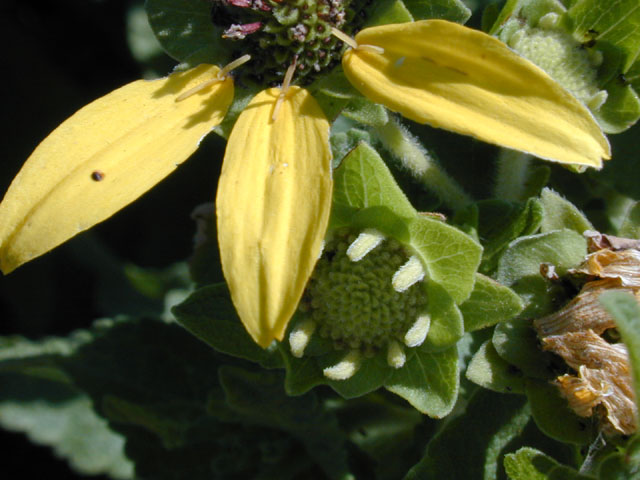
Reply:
x=353, y=44
x=285, y=86
x=416, y=335
x=221, y=76
x=408, y=274
x=366, y=241
x=196, y=89
x=344, y=369
x=395, y=355
x=300, y=336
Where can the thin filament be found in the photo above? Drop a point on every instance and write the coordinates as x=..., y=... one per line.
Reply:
x=288, y=76
x=221, y=76
x=353, y=44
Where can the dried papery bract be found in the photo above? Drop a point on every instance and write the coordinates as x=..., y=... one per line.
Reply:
x=602, y=384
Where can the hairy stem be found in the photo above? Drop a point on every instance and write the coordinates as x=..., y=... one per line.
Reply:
x=413, y=156
x=512, y=175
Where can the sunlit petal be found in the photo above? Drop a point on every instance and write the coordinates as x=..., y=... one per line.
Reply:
x=273, y=203
x=460, y=79
x=104, y=157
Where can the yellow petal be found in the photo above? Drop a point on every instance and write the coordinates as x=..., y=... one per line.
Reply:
x=104, y=157
x=459, y=79
x=273, y=203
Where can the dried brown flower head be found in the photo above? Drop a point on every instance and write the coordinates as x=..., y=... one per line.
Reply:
x=602, y=384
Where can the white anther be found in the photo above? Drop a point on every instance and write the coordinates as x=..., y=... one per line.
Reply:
x=345, y=368
x=408, y=274
x=300, y=336
x=366, y=241
x=395, y=355
x=418, y=332
x=596, y=101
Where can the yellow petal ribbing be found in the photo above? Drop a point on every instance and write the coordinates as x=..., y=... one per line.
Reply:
x=272, y=204
x=452, y=77
x=104, y=157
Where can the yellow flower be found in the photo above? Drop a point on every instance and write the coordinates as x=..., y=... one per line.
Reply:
x=274, y=194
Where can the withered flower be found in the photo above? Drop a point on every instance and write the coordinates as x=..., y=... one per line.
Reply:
x=602, y=384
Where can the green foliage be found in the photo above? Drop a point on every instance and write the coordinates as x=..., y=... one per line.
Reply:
x=171, y=386
x=531, y=464
x=185, y=31
x=455, y=453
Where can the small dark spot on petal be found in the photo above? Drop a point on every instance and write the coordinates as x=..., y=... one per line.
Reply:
x=97, y=175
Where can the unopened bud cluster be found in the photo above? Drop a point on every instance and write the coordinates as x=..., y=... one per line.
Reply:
x=277, y=33
x=572, y=64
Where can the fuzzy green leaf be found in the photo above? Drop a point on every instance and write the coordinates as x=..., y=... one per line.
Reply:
x=499, y=222
x=489, y=370
x=531, y=464
x=60, y=417
x=383, y=12
x=554, y=417
x=451, y=258
x=519, y=267
x=617, y=23
x=209, y=314
x=559, y=214
x=185, y=30
x=447, y=325
x=363, y=181
x=470, y=446
x=429, y=381
x=489, y=304
x=517, y=343
x=453, y=10
x=302, y=373
x=622, y=108
x=370, y=376
x=630, y=227
x=259, y=397
x=623, y=464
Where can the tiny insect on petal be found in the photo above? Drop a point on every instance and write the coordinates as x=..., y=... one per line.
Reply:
x=104, y=157
x=453, y=77
x=272, y=204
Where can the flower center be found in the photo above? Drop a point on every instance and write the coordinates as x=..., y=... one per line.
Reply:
x=278, y=32
x=354, y=303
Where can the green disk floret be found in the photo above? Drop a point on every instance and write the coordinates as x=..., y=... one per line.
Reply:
x=277, y=33
x=354, y=303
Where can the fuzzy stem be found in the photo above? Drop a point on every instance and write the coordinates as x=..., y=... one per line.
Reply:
x=412, y=155
x=513, y=173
